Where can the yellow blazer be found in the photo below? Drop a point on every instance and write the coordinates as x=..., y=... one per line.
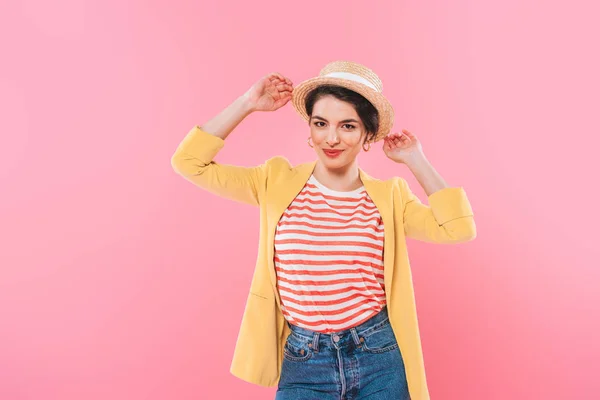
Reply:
x=272, y=186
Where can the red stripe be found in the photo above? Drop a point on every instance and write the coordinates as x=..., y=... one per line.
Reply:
x=331, y=219
x=318, y=193
x=376, y=289
x=332, y=211
x=359, y=271
x=329, y=282
x=316, y=302
x=332, y=312
x=325, y=262
x=336, y=321
x=337, y=234
x=331, y=228
x=368, y=205
x=318, y=243
x=331, y=253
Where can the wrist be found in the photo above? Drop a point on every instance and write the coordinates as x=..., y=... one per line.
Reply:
x=246, y=104
x=416, y=161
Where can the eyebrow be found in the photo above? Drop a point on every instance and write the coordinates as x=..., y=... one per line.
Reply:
x=346, y=120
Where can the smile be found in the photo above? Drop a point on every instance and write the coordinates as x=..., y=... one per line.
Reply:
x=332, y=153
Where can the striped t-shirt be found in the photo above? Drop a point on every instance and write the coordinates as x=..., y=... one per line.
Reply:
x=329, y=259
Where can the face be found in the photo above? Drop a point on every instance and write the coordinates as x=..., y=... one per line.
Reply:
x=335, y=125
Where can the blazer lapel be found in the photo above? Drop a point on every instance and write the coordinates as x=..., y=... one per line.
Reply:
x=283, y=193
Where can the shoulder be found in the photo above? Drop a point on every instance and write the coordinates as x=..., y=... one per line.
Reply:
x=394, y=182
x=278, y=165
x=396, y=186
x=279, y=162
x=276, y=168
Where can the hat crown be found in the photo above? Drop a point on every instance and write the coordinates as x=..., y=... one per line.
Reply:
x=354, y=72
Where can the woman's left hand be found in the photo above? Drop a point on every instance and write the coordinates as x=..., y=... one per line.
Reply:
x=402, y=147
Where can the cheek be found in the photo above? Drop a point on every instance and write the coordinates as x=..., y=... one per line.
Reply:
x=316, y=136
x=356, y=150
x=353, y=145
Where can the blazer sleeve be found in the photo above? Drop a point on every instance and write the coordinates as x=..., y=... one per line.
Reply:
x=193, y=160
x=447, y=219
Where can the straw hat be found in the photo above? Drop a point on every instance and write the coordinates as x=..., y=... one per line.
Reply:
x=352, y=76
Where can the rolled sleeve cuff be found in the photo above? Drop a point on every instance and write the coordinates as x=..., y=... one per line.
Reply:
x=450, y=203
x=202, y=145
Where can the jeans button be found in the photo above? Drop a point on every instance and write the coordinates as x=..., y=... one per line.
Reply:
x=336, y=338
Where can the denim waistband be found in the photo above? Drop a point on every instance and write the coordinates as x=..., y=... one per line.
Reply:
x=374, y=320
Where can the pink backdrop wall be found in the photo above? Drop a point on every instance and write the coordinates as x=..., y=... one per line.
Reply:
x=120, y=280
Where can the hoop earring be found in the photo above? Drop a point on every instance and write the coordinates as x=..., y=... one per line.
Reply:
x=308, y=141
x=368, y=148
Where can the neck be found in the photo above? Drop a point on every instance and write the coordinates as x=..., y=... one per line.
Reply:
x=344, y=179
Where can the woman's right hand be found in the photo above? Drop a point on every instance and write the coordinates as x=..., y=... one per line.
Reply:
x=270, y=93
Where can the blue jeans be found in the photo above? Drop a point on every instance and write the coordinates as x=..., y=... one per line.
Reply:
x=363, y=362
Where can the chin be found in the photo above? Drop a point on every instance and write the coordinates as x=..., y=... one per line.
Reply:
x=335, y=163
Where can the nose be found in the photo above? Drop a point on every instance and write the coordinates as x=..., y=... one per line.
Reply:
x=332, y=137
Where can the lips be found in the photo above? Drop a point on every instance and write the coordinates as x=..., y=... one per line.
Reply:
x=332, y=152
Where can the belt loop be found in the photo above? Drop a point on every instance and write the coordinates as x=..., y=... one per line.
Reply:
x=316, y=342
x=355, y=336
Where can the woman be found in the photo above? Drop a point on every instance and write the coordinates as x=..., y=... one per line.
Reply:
x=330, y=314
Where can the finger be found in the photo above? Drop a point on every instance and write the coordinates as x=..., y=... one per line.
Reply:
x=282, y=101
x=278, y=75
x=397, y=137
x=386, y=145
x=407, y=133
x=284, y=79
x=283, y=86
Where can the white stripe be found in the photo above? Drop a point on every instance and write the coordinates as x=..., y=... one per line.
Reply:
x=352, y=77
x=324, y=213
x=363, y=295
x=288, y=260
x=363, y=240
x=291, y=272
x=303, y=200
x=332, y=225
x=332, y=307
x=286, y=290
x=321, y=279
x=323, y=248
x=334, y=327
x=332, y=232
x=347, y=313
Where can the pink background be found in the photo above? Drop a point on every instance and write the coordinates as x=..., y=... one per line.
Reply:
x=120, y=280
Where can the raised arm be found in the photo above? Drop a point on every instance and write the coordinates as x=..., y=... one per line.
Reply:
x=447, y=219
x=194, y=157
x=193, y=160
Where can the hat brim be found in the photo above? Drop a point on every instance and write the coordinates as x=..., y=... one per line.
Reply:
x=381, y=104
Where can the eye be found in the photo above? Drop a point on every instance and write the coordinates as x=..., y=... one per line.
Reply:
x=350, y=126
x=319, y=122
